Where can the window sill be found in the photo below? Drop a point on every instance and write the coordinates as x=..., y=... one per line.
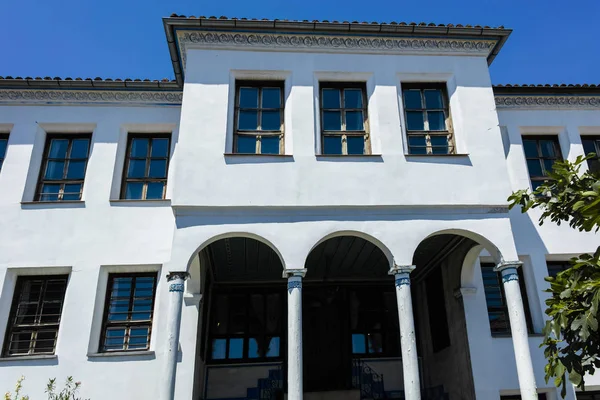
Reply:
x=142, y=353
x=349, y=157
x=30, y=357
x=53, y=204
x=136, y=202
x=346, y=155
x=509, y=335
x=242, y=158
x=255, y=155
x=437, y=155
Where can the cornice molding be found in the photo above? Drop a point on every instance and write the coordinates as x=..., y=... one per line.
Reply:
x=547, y=102
x=121, y=97
x=333, y=43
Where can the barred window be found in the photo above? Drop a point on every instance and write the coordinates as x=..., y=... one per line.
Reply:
x=63, y=168
x=427, y=116
x=127, y=322
x=344, y=123
x=258, y=118
x=541, y=153
x=3, y=146
x=146, y=167
x=35, y=315
x=591, y=144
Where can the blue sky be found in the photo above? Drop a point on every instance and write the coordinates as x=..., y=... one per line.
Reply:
x=553, y=41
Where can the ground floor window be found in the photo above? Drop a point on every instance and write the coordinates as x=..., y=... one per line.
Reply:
x=541, y=396
x=595, y=395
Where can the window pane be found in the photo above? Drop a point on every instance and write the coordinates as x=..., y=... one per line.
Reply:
x=138, y=338
x=58, y=148
x=417, y=144
x=414, y=121
x=331, y=98
x=412, y=99
x=44, y=342
x=72, y=191
x=548, y=166
x=355, y=144
x=158, y=169
x=246, y=144
x=115, y=339
x=437, y=121
x=269, y=145
x=49, y=192
x=134, y=191
x=248, y=120
x=593, y=165
x=332, y=120
x=433, y=98
x=80, y=148
x=248, y=97
x=530, y=148
x=439, y=144
x=221, y=318
x=354, y=121
x=353, y=98
x=76, y=170
x=498, y=322
x=118, y=310
x=271, y=121
x=536, y=184
x=155, y=191
x=54, y=170
x=589, y=146
x=19, y=343
x=358, y=343
x=273, y=349
x=219, y=349
x=535, y=168
x=271, y=98
x=3, y=144
x=139, y=147
x=160, y=147
x=332, y=145
x=254, y=350
x=375, y=343
x=548, y=149
x=137, y=169
x=273, y=313
x=236, y=348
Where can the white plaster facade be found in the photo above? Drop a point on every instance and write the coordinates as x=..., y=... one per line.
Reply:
x=291, y=202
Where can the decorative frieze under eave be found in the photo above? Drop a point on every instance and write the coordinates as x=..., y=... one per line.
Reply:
x=19, y=96
x=547, y=102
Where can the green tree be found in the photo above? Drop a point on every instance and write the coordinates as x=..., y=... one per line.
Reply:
x=572, y=337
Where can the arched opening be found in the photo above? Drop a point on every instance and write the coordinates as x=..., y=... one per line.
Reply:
x=242, y=329
x=349, y=316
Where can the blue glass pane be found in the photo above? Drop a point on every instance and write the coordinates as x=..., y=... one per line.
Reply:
x=271, y=121
x=354, y=121
x=548, y=165
x=414, y=121
x=134, y=191
x=3, y=145
x=358, y=343
x=355, y=144
x=236, y=348
x=353, y=98
x=437, y=121
x=249, y=97
x=433, y=98
x=412, y=99
x=246, y=144
x=54, y=170
x=72, y=191
x=530, y=148
x=269, y=145
x=158, y=169
x=332, y=145
x=118, y=310
x=138, y=338
x=332, y=120
x=160, y=148
x=271, y=98
x=548, y=148
x=589, y=146
x=49, y=192
x=219, y=349
x=253, y=350
x=535, y=168
x=137, y=169
x=79, y=149
x=1, y=162
x=375, y=343
x=115, y=337
x=155, y=191
x=273, y=350
x=417, y=144
x=58, y=148
x=139, y=147
x=76, y=170
x=536, y=184
x=439, y=145
x=331, y=98
x=248, y=120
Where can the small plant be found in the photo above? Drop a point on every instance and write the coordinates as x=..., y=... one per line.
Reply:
x=18, y=396
x=69, y=392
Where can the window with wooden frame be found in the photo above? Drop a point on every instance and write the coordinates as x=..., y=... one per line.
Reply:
x=591, y=144
x=35, y=315
x=258, y=117
x=496, y=300
x=344, y=120
x=63, y=167
x=3, y=146
x=541, y=153
x=129, y=308
x=146, y=167
x=427, y=117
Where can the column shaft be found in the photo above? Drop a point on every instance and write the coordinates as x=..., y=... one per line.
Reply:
x=294, y=354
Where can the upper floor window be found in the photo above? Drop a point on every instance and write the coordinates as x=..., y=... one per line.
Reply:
x=554, y=267
x=63, y=168
x=344, y=124
x=541, y=153
x=427, y=115
x=541, y=396
x=496, y=300
x=146, y=167
x=258, y=118
x=35, y=315
x=591, y=144
x=591, y=395
x=127, y=322
x=3, y=146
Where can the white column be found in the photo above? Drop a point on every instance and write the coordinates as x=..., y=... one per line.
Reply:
x=294, y=354
x=176, y=284
x=518, y=328
x=410, y=361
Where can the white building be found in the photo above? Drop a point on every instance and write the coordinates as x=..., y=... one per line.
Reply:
x=383, y=149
